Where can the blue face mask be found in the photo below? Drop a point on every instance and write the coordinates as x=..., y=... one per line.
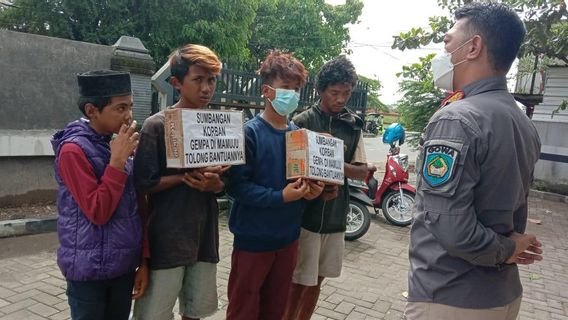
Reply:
x=286, y=101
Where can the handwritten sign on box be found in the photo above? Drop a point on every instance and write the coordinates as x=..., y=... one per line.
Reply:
x=314, y=156
x=202, y=137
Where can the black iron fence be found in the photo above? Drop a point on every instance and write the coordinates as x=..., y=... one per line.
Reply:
x=242, y=90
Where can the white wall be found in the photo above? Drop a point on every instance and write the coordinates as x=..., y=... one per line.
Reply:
x=555, y=91
x=553, y=131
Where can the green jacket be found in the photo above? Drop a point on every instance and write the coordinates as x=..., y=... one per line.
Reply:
x=330, y=216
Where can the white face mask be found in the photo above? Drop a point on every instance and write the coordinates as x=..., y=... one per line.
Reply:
x=443, y=68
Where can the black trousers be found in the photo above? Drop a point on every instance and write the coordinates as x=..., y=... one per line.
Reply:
x=101, y=300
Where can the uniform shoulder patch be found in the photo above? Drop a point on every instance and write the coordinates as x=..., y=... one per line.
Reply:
x=439, y=164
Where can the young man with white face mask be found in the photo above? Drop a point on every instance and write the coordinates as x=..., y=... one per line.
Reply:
x=476, y=163
x=267, y=211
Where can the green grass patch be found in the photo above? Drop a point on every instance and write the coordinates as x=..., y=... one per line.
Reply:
x=390, y=119
x=542, y=185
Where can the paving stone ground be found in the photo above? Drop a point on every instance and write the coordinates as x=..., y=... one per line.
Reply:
x=371, y=286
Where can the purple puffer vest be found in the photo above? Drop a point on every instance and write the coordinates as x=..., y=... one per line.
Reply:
x=87, y=251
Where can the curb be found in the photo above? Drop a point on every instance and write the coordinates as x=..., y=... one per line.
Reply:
x=22, y=227
x=548, y=196
x=224, y=204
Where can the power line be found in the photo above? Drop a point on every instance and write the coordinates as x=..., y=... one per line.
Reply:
x=387, y=54
x=359, y=45
x=8, y=5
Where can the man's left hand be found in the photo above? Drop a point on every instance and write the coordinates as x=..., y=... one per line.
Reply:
x=140, y=281
x=316, y=187
x=204, y=181
x=330, y=192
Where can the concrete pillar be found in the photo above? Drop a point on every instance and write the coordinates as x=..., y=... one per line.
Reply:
x=130, y=55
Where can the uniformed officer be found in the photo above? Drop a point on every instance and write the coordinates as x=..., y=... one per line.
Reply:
x=476, y=165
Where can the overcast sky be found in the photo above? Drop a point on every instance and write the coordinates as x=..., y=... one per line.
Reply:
x=372, y=38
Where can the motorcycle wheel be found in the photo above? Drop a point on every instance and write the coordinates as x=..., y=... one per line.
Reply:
x=358, y=220
x=397, y=212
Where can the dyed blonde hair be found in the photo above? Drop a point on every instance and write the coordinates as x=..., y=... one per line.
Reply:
x=193, y=54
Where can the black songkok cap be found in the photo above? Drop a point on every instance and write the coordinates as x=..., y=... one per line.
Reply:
x=104, y=83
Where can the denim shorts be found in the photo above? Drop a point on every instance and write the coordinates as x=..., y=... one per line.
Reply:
x=195, y=286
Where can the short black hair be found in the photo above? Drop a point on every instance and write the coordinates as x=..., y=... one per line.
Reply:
x=337, y=71
x=99, y=103
x=500, y=27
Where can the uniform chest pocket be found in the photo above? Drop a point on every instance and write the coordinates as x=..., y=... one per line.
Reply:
x=441, y=166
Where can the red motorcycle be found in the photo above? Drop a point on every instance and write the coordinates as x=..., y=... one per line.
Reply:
x=394, y=196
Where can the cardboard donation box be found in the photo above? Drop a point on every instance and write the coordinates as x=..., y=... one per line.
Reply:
x=202, y=137
x=314, y=156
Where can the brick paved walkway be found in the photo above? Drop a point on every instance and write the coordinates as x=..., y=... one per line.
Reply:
x=371, y=287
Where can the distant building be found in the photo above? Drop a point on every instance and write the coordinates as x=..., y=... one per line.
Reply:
x=552, y=87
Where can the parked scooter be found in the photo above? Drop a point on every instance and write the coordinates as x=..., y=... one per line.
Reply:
x=394, y=195
x=372, y=127
x=373, y=123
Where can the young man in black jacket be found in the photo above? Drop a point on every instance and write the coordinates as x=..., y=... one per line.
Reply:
x=320, y=252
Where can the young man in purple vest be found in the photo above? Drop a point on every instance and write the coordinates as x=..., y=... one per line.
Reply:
x=100, y=230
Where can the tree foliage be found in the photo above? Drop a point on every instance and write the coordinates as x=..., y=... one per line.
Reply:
x=83, y=20
x=373, y=95
x=563, y=106
x=241, y=32
x=546, y=22
x=547, y=28
x=421, y=98
x=316, y=31
x=418, y=37
x=224, y=25
x=220, y=24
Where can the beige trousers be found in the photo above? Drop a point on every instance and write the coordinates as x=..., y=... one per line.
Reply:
x=435, y=311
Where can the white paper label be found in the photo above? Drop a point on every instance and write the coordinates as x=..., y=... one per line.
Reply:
x=325, y=158
x=213, y=138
